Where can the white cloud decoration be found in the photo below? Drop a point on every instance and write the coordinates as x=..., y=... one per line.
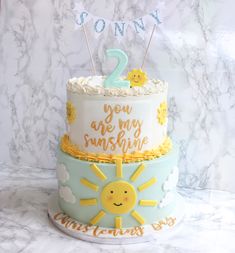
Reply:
x=172, y=180
x=167, y=199
x=62, y=173
x=67, y=195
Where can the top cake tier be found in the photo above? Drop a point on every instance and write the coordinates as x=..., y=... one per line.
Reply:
x=107, y=122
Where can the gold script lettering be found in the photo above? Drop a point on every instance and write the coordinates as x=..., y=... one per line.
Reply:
x=115, y=109
x=136, y=231
x=129, y=124
x=102, y=127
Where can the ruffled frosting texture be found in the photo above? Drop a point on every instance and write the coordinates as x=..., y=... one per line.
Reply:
x=68, y=147
x=93, y=85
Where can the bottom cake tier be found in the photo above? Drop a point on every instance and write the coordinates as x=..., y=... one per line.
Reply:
x=160, y=230
x=118, y=195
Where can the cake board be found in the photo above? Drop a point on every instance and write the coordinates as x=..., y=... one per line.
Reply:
x=160, y=230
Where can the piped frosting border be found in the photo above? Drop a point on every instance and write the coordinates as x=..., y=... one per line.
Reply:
x=68, y=147
x=93, y=85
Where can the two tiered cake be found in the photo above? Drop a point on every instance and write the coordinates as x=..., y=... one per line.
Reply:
x=117, y=168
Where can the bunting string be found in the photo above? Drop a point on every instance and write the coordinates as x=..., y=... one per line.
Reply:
x=119, y=28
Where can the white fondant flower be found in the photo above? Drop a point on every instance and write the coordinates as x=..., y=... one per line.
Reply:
x=62, y=173
x=172, y=180
x=166, y=200
x=66, y=194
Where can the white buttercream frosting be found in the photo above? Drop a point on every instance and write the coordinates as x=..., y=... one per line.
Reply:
x=94, y=85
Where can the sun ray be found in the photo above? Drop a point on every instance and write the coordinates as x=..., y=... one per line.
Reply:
x=98, y=172
x=88, y=202
x=137, y=172
x=89, y=184
x=98, y=217
x=147, y=184
x=138, y=217
x=148, y=202
x=119, y=168
x=118, y=222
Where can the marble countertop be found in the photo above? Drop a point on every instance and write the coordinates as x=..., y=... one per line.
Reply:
x=209, y=224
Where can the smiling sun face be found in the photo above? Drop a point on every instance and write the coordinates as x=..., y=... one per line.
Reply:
x=118, y=197
x=137, y=77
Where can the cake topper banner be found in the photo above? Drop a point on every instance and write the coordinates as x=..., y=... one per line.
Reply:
x=119, y=28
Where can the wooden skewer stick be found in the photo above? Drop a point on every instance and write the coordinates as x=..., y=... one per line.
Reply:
x=89, y=49
x=146, y=51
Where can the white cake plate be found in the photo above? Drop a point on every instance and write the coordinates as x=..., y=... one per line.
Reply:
x=161, y=230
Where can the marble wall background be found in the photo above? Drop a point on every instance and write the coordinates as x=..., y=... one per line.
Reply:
x=193, y=50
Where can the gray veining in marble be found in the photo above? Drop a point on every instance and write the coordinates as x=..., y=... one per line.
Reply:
x=193, y=50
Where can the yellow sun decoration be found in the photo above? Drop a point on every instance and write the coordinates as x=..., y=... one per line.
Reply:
x=137, y=77
x=71, y=112
x=162, y=113
x=118, y=197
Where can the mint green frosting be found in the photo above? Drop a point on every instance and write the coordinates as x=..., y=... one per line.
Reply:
x=113, y=80
x=159, y=168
